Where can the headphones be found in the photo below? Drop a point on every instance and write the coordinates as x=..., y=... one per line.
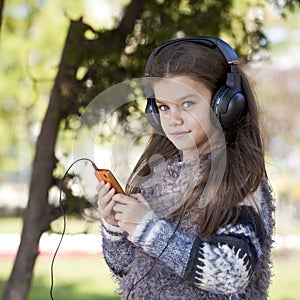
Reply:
x=228, y=104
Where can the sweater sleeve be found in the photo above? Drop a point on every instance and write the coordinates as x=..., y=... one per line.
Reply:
x=221, y=265
x=118, y=251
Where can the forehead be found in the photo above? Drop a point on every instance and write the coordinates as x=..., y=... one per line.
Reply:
x=177, y=88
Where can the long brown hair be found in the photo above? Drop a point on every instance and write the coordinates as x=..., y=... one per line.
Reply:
x=245, y=166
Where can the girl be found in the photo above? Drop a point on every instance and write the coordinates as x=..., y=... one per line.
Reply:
x=205, y=236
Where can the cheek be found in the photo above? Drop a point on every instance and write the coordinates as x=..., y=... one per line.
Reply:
x=200, y=119
x=164, y=123
x=203, y=115
x=164, y=119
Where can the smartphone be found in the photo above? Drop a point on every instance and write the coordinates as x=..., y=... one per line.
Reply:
x=107, y=176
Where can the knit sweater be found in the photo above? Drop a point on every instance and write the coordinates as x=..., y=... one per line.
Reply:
x=164, y=258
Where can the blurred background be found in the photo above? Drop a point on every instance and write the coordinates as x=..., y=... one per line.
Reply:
x=55, y=57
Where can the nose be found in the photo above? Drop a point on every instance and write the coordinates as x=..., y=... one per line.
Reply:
x=175, y=117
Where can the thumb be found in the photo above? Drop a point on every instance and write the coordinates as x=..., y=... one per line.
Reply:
x=139, y=197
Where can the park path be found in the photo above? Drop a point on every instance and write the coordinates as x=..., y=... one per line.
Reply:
x=90, y=244
x=77, y=244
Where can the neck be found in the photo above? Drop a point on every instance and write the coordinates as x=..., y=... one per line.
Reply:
x=201, y=149
x=189, y=155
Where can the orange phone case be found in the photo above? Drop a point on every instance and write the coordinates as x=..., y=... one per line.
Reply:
x=107, y=176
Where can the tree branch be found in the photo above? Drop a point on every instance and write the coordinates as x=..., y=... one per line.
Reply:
x=1, y=13
x=132, y=13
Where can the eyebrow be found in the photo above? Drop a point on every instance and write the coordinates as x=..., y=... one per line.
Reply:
x=177, y=99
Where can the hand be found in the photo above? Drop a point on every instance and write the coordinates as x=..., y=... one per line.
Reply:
x=130, y=210
x=105, y=202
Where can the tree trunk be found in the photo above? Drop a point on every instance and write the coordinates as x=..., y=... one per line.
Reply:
x=1, y=12
x=37, y=216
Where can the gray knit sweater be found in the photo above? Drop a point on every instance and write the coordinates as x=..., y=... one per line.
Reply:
x=165, y=259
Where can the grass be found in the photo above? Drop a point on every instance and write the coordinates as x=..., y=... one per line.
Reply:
x=73, y=225
x=87, y=277
x=10, y=225
x=285, y=283
x=75, y=278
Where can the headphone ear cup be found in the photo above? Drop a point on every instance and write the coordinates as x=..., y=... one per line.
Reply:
x=214, y=111
x=152, y=114
x=228, y=106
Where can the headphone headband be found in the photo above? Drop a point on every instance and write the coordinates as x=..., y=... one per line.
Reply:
x=228, y=104
x=210, y=42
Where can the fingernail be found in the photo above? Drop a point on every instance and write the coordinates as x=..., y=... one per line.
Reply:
x=100, y=184
x=98, y=187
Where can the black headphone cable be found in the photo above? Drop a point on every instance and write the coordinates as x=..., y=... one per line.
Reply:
x=64, y=230
x=64, y=219
x=157, y=258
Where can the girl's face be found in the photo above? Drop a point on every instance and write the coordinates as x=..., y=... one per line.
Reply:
x=184, y=108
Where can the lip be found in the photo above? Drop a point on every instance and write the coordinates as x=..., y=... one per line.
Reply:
x=179, y=134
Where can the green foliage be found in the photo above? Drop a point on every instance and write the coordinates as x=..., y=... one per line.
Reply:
x=52, y=49
x=285, y=7
x=33, y=37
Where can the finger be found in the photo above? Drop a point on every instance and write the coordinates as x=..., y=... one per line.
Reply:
x=109, y=207
x=105, y=197
x=123, y=208
x=104, y=194
x=139, y=197
x=107, y=211
x=112, y=221
x=124, y=199
x=118, y=216
x=119, y=207
x=105, y=201
x=100, y=185
x=104, y=189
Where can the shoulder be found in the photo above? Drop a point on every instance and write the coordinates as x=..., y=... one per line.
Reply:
x=259, y=205
x=252, y=221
